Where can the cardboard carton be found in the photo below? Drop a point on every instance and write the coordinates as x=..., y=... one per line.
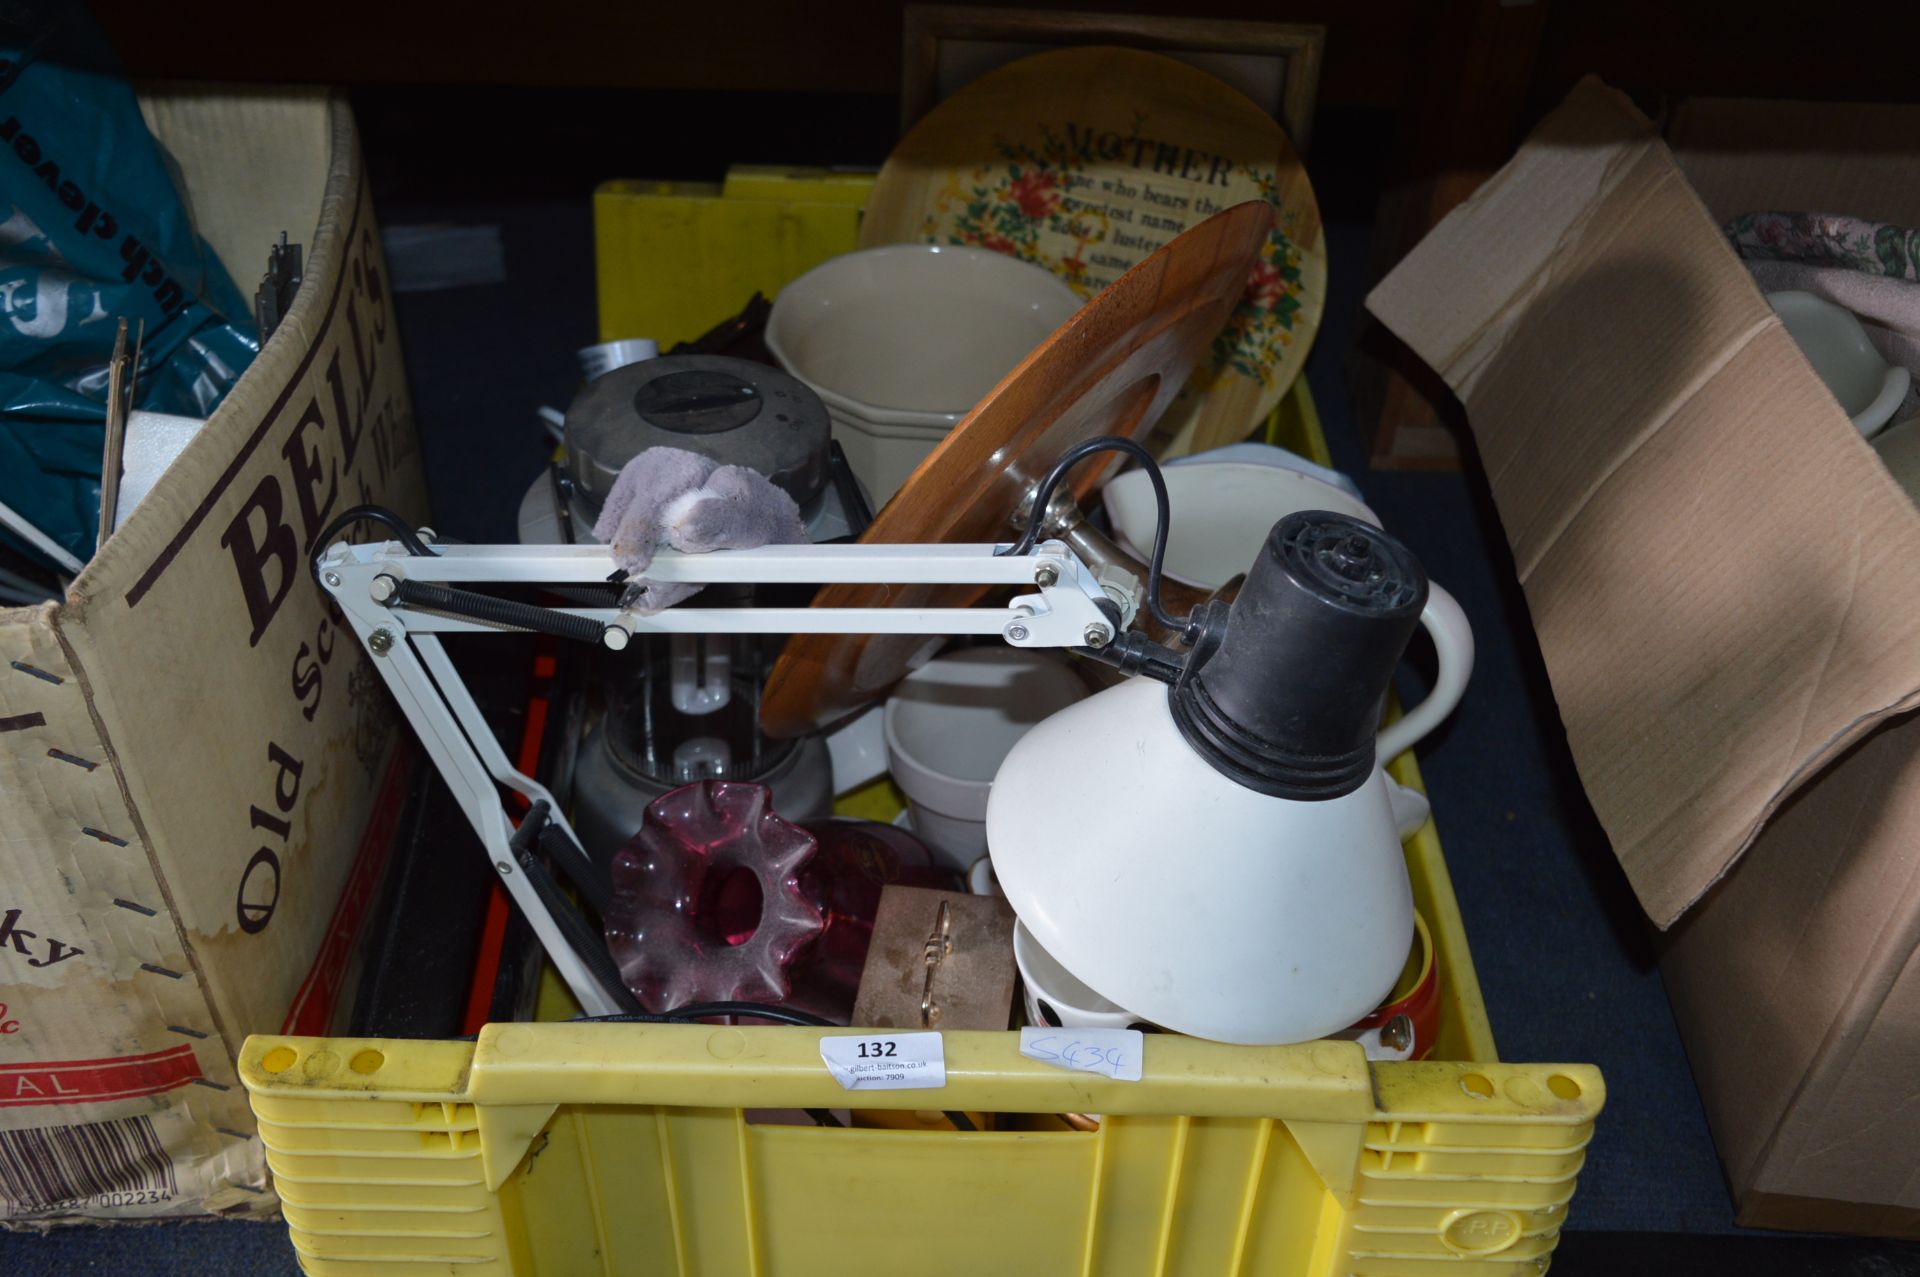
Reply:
x=198, y=765
x=1726, y=587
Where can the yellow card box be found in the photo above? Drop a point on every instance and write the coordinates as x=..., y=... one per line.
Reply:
x=675, y=258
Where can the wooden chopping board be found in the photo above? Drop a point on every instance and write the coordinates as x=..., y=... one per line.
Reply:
x=1085, y=161
x=1111, y=369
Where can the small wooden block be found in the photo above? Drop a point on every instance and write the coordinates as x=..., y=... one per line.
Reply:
x=973, y=976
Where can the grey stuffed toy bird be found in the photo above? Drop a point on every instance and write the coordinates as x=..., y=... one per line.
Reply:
x=666, y=498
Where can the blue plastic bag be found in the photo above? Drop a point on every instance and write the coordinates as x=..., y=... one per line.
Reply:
x=92, y=230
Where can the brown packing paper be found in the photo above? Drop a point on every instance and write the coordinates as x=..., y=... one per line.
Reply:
x=1603, y=338
x=1824, y=1215
x=1812, y=945
x=1835, y=1140
x=1721, y=576
x=1794, y=981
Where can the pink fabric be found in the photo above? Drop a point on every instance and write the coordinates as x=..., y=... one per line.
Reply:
x=666, y=498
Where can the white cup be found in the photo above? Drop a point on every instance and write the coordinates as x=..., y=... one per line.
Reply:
x=1222, y=512
x=949, y=724
x=980, y=879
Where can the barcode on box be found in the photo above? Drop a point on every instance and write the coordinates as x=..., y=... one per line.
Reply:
x=116, y=1163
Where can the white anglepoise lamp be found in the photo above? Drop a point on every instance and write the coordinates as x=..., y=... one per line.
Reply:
x=1220, y=856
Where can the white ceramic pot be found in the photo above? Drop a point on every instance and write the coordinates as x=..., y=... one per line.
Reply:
x=858, y=750
x=1054, y=997
x=1836, y=344
x=1222, y=512
x=951, y=722
x=901, y=342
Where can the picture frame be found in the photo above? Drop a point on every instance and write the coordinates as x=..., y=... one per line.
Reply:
x=945, y=47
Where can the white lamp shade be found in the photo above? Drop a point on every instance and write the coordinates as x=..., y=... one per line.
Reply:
x=1194, y=902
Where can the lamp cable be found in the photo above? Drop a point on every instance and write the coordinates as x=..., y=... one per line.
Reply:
x=1043, y=496
x=405, y=535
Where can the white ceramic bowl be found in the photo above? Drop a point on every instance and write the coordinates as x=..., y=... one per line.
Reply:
x=858, y=750
x=900, y=342
x=949, y=724
x=1222, y=513
x=1835, y=343
x=1055, y=997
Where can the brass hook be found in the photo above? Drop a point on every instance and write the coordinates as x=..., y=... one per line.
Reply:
x=939, y=945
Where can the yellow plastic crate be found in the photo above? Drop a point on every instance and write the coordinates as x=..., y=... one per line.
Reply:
x=556, y=1149
x=615, y=1148
x=559, y=1149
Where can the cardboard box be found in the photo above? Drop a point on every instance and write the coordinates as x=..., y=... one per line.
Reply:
x=198, y=763
x=1726, y=587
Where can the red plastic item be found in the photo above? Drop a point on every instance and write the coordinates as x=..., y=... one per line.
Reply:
x=493, y=927
x=1418, y=997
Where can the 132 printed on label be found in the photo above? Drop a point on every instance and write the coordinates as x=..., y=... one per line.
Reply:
x=884, y=1062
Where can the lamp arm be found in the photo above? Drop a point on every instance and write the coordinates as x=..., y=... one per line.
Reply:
x=400, y=596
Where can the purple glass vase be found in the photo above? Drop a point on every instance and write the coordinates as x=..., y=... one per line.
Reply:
x=720, y=899
x=706, y=902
